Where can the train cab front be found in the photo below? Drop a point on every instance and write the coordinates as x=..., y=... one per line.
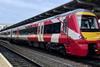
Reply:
x=90, y=31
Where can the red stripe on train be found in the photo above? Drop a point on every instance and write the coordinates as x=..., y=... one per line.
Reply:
x=32, y=38
x=47, y=37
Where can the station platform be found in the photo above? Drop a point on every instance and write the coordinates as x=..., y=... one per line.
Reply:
x=4, y=62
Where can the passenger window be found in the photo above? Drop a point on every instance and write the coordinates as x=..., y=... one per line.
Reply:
x=48, y=29
x=27, y=31
x=52, y=28
x=14, y=32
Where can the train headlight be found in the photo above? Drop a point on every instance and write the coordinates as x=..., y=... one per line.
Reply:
x=99, y=20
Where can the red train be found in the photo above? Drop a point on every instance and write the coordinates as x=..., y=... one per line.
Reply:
x=76, y=33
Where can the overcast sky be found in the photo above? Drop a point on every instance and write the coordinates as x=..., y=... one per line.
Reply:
x=13, y=11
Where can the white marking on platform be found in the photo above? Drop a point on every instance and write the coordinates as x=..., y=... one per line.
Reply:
x=4, y=62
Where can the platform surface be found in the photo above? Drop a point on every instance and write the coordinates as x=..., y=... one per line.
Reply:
x=4, y=62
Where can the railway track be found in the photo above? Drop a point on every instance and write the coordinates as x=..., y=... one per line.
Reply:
x=47, y=60
x=15, y=59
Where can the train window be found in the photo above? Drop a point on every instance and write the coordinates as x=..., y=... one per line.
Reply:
x=28, y=31
x=32, y=30
x=14, y=32
x=88, y=23
x=48, y=29
x=1, y=33
x=8, y=33
x=23, y=32
x=52, y=28
x=5, y=33
x=56, y=27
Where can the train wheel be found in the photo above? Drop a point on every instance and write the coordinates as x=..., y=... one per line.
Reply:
x=35, y=44
x=48, y=47
x=30, y=44
x=62, y=50
x=42, y=45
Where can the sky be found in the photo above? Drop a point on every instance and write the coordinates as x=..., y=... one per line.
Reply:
x=14, y=11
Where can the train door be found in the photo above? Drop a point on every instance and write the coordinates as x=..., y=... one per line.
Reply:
x=40, y=32
x=11, y=33
x=17, y=34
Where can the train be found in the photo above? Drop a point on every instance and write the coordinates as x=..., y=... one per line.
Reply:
x=75, y=33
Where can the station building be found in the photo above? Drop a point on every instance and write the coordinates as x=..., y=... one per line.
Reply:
x=3, y=26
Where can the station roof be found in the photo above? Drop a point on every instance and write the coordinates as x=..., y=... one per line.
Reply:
x=74, y=4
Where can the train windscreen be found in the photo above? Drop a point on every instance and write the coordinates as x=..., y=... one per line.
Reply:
x=88, y=23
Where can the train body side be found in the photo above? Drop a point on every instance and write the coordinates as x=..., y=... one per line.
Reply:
x=61, y=30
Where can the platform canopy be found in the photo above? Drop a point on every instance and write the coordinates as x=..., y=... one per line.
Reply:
x=72, y=5
x=94, y=3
